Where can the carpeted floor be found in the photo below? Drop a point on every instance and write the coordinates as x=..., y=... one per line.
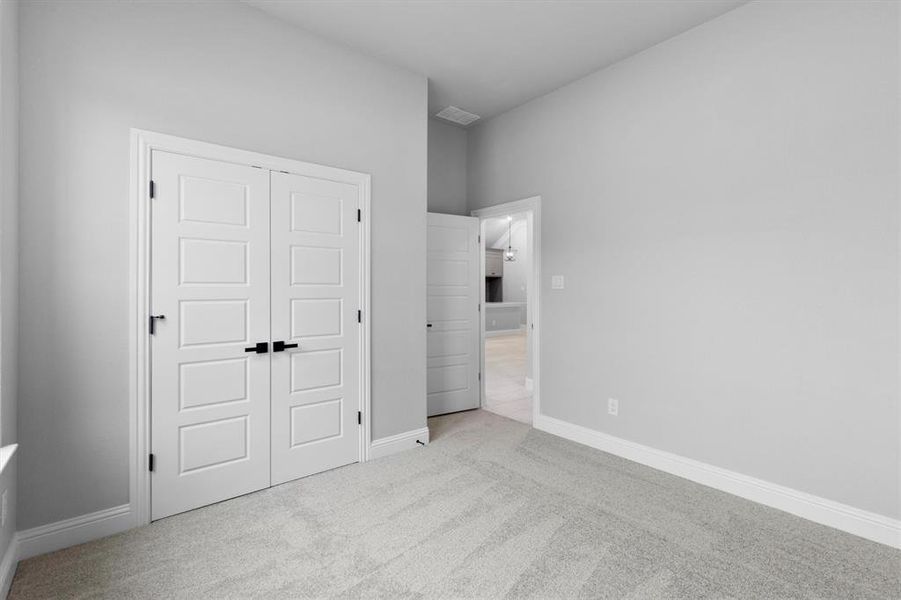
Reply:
x=491, y=509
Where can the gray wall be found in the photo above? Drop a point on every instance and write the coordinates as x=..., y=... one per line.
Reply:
x=9, y=256
x=227, y=74
x=9, y=217
x=501, y=318
x=516, y=273
x=724, y=207
x=447, y=169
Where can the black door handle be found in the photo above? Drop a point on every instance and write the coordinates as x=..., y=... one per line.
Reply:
x=281, y=346
x=153, y=319
x=259, y=348
x=428, y=324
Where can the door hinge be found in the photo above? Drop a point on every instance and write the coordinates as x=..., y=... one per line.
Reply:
x=359, y=316
x=151, y=462
x=480, y=376
x=359, y=418
x=479, y=239
x=359, y=215
x=480, y=307
x=152, y=189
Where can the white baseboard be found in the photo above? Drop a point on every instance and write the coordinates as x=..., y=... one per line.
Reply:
x=8, y=566
x=397, y=443
x=871, y=526
x=77, y=530
x=497, y=332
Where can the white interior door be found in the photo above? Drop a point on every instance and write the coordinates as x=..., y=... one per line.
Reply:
x=210, y=282
x=452, y=313
x=316, y=295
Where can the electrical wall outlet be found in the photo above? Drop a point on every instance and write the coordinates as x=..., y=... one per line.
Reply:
x=557, y=282
x=613, y=406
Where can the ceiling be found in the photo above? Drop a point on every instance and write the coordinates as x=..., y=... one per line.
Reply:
x=487, y=56
x=495, y=230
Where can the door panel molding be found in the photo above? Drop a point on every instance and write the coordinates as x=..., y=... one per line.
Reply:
x=219, y=447
x=452, y=314
x=142, y=144
x=314, y=385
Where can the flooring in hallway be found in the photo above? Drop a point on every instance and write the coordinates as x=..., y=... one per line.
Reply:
x=505, y=377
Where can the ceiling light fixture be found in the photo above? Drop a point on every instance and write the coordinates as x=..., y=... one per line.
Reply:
x=510, y=252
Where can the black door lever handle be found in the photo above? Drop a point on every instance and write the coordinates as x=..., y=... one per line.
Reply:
x=281, y=346
x=153, y=319
x=259, y=348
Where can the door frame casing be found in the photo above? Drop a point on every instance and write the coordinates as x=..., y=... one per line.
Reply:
x=142, y=144
x=532, y=207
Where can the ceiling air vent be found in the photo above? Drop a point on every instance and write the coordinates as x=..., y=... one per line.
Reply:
x=457, y=115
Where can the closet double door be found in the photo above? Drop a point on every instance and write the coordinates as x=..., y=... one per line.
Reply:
x=255, y=346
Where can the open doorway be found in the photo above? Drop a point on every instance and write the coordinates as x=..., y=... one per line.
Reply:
x=509, y=257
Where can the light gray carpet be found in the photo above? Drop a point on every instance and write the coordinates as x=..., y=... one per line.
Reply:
x=490, y=509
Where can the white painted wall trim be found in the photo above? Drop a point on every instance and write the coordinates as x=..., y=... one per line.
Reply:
x=6, y=455
x=398, y=443
x=532, y=207
x=77, y=530
x=871, y=526
x=11, y=557
x=8, y=566
x=142, y=145
x=499, y=332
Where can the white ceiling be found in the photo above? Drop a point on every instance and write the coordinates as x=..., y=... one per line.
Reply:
x=487, y=56
x=495, y=230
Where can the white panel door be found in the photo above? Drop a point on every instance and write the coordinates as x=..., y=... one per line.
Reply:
x=210, y=280
x=316, y=295
x=453, y=313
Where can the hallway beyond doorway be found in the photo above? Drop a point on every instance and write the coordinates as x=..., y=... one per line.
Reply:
x=505, y=377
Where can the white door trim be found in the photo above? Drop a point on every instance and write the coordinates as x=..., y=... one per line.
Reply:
x=142, y=144
x=532, y=207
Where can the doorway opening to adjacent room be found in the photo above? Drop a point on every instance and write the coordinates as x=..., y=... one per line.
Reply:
x=509, y=327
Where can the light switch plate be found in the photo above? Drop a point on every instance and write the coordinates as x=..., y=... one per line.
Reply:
x=556, y=282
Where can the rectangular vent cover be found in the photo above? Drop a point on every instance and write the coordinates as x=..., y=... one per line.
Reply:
x=457, y=115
